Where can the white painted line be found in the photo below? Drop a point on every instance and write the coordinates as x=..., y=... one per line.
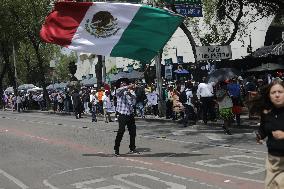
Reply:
x=81, y=185
x=14, y=180
x=134, y=160
x=46, y=183
x=123, y=178
x=216, y=173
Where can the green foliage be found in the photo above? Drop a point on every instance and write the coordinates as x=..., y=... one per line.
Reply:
x=20, y=23
x=62, y=73
x=113, y=70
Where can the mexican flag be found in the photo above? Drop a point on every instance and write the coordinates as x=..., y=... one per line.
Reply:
x=111, y=29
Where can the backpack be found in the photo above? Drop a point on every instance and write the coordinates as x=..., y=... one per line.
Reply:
x=183, y=97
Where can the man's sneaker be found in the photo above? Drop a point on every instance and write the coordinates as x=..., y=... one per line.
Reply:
x=116, y=153
x=133, y=152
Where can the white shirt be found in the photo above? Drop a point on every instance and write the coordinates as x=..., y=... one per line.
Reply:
x=152, y=98
x=205, y=90
x=189, y=95
x=18, y=99
x=93, y=99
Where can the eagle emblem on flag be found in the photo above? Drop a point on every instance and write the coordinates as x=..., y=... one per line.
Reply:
x=102, y=25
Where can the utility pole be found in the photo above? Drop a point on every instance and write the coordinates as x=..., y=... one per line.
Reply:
x=104, y=69
x=159, y=85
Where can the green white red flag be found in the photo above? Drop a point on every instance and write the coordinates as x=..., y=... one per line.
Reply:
x=111, y=29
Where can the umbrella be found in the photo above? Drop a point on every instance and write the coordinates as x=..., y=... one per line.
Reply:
x=117, y=83
x=119, y=76
x=26, y=86
x=181, y=71
x=55, y=86
x=135, y=75
x=9, y=90
x=35, y=89
x=267, y=67
x=89, y=82
x=223, y=74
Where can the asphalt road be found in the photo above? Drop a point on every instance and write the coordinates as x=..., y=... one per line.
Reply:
x=45, y=151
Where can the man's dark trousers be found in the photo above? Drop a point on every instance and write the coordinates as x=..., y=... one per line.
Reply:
x=129, y=121
x=207, y=108
x=189, y=114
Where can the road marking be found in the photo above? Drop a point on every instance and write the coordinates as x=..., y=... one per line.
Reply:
x=170, y=184
x=216, y=173
x=47, y=183
x=258, y=168
x=14, y=180
x=81, y=185
x=135, y=160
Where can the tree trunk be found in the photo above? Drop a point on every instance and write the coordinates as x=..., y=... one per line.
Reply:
x=42, y=74
x=27, y=60
x=191, y=40
x=188, y=34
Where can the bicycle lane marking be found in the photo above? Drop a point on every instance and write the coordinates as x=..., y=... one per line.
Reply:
x=213, y=178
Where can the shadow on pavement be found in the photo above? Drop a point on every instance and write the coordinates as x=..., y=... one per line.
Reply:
x=165, y=154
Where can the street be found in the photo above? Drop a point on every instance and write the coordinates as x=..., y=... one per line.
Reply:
x=48, y=151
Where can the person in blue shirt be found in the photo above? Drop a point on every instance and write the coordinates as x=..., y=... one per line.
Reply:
x=234, y=90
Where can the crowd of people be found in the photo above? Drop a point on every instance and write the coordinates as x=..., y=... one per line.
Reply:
x=187, y=101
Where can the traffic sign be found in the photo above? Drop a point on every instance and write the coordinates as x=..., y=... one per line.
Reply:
x=193, y=2
x=213, y=52
x=189, y=10
x=168, y=61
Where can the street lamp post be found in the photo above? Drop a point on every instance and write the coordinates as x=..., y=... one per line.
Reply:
x=159, y=85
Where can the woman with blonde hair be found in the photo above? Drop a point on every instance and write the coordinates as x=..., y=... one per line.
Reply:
x=270, y=106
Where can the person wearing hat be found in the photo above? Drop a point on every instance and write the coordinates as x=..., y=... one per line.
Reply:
x=126, y=100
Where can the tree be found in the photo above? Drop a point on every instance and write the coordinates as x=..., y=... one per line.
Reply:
x=27, y=18
x=7, y=42
x=224, y=20
x=72, y=70
x=64, y=61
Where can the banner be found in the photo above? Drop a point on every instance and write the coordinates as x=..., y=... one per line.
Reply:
x=180, y=59
x=213, y=52
x=168, y=72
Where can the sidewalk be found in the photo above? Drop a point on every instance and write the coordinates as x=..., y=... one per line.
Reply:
x=246, y=123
